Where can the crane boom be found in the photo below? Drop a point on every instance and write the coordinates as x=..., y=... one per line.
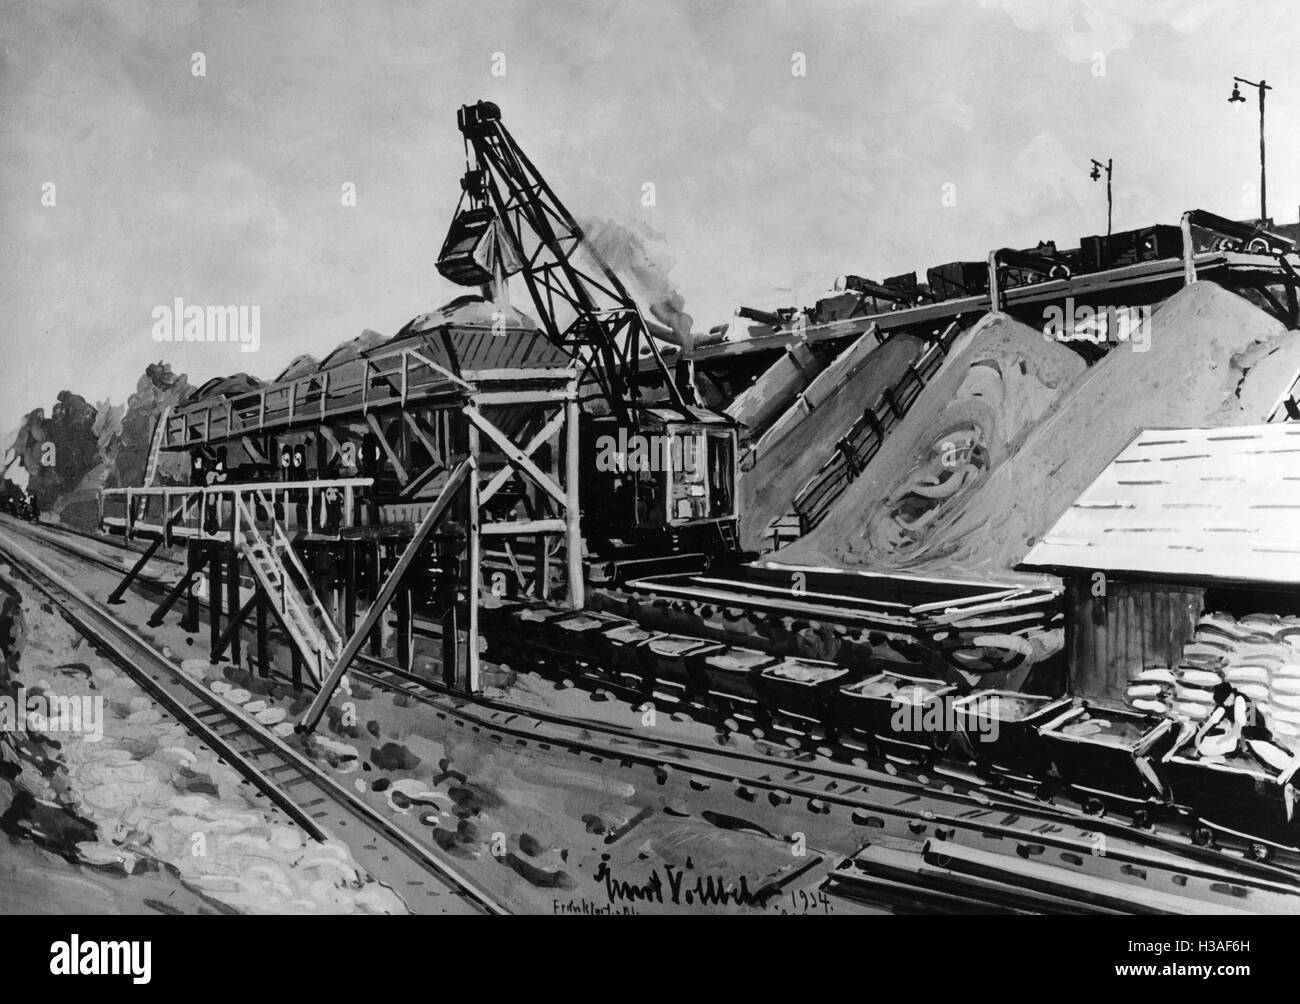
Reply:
x=606, y=333
x=675, y=511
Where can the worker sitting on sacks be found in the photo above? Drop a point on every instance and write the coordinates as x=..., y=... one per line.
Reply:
x=1235, y=723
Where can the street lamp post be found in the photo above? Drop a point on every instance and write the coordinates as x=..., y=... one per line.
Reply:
x=1097, y=168
x=1236, y=95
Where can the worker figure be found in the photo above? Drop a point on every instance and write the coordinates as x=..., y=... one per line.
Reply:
x=347, y=466
x=648, y=507
x=298, y=472
x=215, y=474
x=286, y=474
x=1222, y=728
x=329, y=517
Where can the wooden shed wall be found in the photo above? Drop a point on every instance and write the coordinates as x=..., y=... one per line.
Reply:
x=1110, y=637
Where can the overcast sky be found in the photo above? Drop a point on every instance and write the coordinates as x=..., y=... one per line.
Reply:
x=225, y=188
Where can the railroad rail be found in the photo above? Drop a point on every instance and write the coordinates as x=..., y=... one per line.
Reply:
x=289, y=780
x=965, y=800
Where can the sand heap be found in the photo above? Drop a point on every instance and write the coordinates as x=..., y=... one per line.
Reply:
x=1213, y=360
x=768, y=489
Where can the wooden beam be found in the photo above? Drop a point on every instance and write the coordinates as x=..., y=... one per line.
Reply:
x=435, y=367
x=500, y=397
x=232, y=602
x=516, y=373
x=116, y=595
x=474, y=558
x=231, y=633
x=350, y=586
x=252, y=449
x=263, y=630
x=514, y=564
x=383, y=597
x=422, y=435
x=216, y=601
x=327, y=434
x=543, y=435
x=524, y=526
x=420, y=481
x=515, y=455
x=173, y=594
x=573, y=509
x=388, y=450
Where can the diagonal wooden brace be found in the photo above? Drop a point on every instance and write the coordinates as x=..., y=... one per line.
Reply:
x=233, y=625
x=389, y=452
x=434, y=516
x=517, y=458
x=191, y=569
x=116, y=595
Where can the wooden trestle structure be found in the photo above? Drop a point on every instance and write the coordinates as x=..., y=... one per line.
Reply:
x=498, y=459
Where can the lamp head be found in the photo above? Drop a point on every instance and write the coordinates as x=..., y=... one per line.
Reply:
x=1096, y=174
x=1236, y=94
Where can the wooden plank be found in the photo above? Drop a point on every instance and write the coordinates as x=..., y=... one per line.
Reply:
x=375, y=427
x=508, y=397
x=543, y=435
x=515, y=455
x=416, y=426
x=384, y=597
x=524, y=526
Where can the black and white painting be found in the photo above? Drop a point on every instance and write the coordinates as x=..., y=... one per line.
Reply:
x=613, y=458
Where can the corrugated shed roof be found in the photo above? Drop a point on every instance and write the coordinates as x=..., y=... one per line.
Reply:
x=1220, y=504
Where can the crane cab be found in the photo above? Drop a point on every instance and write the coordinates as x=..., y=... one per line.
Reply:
x=663, y=490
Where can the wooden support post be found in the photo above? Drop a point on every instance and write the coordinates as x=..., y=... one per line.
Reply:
x=116, y=595
x=174, y=594
x=263, y=646
x=229, y=636
x=214, y=599
x=404, y=627
x=474, y=563
x=384, y=595
x=572, y=505
x=194, y=561
x=542, y=559
x=393, y=458
x=376, y=640
x=447, y=588
x=349, y=587
x=173, y=517
x=232, y=601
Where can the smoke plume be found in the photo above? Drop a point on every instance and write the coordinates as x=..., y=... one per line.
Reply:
x=644, y=271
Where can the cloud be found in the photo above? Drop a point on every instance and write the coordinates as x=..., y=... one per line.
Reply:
x=1082, y=28
x=225, y=189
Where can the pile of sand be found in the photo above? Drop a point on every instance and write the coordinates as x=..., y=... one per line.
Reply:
x=781, y=469
x=1213, y=360
x=999, y=380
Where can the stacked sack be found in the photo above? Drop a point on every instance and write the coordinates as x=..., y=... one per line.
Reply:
x=1259, y=655
x=1152, y=690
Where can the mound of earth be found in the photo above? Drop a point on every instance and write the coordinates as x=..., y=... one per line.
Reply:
x=1022, y=451
x=768, y=489
x=1000, y=379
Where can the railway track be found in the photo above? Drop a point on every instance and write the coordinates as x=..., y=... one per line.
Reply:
x=922, y=808
x=950, y=803
x=291, y=782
